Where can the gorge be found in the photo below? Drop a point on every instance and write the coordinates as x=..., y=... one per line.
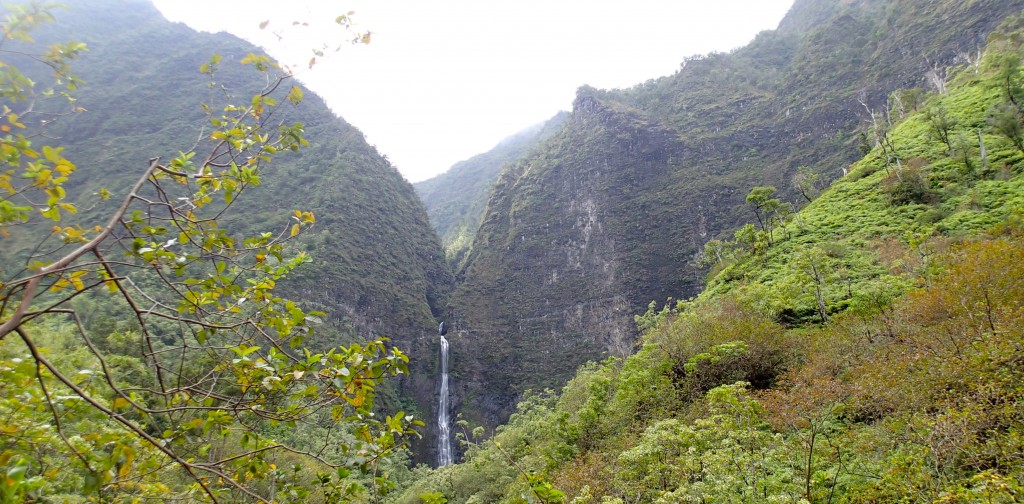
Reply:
x=787, y=273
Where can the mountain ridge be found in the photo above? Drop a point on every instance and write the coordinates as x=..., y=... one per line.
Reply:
x=142, y=96
x=684, y=151
x=456, y=199
x=866, y=348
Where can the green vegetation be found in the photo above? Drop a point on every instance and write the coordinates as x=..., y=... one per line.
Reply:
x=616, y=210
x=456, y=199
x=372, y=263
x=864, y=349
x=145, y=352
x=923, y=194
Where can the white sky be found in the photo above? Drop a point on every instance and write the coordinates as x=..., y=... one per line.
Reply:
x=444, y=80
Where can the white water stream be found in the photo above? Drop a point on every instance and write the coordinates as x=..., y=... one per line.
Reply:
x=444, y=433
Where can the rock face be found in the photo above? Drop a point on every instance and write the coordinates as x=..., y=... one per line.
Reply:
x=456, y=199
x=568, y=246
x=579, y=235
x=609, y=213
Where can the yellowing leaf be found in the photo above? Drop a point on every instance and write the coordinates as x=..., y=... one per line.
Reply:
x=126, y=469
x=52, y=155
x=76, y=279
x=295, y=95
x=43, y=178
x=13, y=119
x=295, y=229
x=59, y=285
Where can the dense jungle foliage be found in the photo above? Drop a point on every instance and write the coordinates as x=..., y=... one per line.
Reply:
x=615, y=209
x=150, y=219
x=864, y=348
x=372, y=263
x=867, y=348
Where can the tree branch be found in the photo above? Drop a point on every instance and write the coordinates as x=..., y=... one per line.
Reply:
x=32, y=283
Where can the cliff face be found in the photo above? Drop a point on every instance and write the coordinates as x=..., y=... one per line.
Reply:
x=579, y=235
x=556, y=262
x=610, y=213
x=456, y=199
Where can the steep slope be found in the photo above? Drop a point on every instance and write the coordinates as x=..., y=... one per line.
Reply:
x=456, y=199
x=613, y=212
x=377, y=267
x=910, y=391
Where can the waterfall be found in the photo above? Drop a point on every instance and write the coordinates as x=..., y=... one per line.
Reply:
x=444, y=432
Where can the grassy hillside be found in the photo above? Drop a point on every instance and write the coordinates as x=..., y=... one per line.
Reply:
x=936, y=185
x=905, y=387
x=615, y=211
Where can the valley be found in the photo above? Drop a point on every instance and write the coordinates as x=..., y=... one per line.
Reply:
x=786, y=273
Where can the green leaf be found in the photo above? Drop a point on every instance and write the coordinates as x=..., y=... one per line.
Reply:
x=91, y=483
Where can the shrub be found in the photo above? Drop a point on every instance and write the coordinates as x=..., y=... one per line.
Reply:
x=906, y=186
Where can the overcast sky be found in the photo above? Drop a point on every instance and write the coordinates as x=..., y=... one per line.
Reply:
x=443, y=80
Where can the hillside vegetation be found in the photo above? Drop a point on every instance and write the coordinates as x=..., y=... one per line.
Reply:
x=456, y=199
x=615, y=210
x=374, y=265
x=867, y=348
x=831, y=222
